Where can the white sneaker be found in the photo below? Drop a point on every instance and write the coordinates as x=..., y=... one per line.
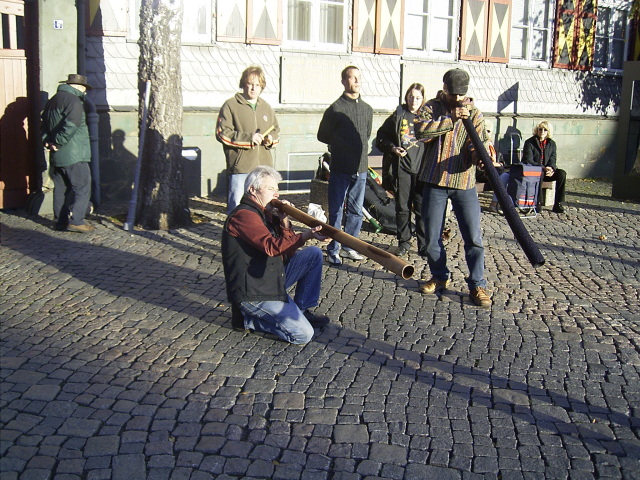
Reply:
x=351, y=254
x=333, y=259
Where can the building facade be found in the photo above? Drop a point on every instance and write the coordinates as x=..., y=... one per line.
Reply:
x=557, y=60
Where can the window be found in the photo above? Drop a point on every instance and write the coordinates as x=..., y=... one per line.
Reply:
x=486, y=25
x=531, y=23
x=378, y=26
x=249, y=21
x=196, y=21
x=231, y=21
x=429, y=27
x=611, y=33
x=575, y=34
x=316, y=23
x=12, y=28
x=106, y=17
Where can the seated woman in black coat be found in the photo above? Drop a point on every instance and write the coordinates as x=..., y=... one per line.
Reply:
x=540, y=150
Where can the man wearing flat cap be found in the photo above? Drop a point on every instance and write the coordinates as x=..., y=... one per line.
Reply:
x=66, y=136
x=448, y=172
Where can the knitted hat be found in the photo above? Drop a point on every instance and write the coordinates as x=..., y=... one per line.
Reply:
x=457, y=81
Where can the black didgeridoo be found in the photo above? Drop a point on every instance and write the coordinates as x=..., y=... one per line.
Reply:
x=515, y=222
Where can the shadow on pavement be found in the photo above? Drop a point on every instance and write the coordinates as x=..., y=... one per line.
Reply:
x=191, y=287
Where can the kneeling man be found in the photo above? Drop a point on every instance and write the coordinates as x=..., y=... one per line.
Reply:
x=262, y=260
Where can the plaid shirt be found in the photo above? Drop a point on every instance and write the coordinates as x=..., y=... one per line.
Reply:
x=448, y=159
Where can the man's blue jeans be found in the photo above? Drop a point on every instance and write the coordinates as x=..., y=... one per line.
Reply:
x=235, y=190
x=467, y=210
x=349, y=189
x=286, y=319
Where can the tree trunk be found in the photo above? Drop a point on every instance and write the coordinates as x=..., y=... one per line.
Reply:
x=163, y=203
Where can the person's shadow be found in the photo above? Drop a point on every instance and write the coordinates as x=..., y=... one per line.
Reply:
x=18, y=170
x=196, y=290
x=117, y=170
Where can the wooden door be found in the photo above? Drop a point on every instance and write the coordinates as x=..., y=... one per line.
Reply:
x=16, y=161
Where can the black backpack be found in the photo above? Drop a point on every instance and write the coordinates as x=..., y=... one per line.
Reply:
x=380, y=205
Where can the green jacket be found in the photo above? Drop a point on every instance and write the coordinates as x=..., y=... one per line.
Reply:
x=64, y=123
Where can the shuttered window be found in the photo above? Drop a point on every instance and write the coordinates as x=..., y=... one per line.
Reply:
x=378, y=26
x=486, y=26
x=575, y=34
x=249, y=21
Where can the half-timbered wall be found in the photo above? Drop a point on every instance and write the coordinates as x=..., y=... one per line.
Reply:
x=522, y=68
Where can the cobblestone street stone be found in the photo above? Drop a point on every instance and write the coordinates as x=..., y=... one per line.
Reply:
x=118, y=360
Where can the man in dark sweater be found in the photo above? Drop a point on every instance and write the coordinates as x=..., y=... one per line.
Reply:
x=262, y=260
x=346, y=128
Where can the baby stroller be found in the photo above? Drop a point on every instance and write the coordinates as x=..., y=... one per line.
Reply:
x=523, y=187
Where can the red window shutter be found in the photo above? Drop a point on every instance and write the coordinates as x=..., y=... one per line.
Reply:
x=575, y=34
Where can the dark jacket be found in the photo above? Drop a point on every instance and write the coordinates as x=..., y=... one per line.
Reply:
x=532, y=153
x=250, y=274
x=64, y=123
x=346, y=127
x=388, y=137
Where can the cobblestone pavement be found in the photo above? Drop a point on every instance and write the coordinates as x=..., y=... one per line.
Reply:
x=119, y=361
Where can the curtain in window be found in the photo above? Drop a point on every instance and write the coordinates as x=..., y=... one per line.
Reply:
x=331, y=23
x=299, y=21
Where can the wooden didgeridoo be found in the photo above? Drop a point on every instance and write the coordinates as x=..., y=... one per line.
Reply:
x=390, y=262
x=529, y=247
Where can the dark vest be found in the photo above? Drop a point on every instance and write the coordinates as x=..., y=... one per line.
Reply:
x=250, y=274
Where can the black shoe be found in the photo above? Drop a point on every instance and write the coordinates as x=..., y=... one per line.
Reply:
x=316, y=321
x=558, y=208
x=402, y=251
x=237, y=318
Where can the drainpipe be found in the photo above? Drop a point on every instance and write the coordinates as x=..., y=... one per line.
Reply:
x=90, y=107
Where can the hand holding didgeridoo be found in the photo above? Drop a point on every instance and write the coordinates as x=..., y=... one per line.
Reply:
x=384, y=258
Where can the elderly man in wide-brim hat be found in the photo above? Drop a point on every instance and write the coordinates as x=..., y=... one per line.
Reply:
x=66, y=136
